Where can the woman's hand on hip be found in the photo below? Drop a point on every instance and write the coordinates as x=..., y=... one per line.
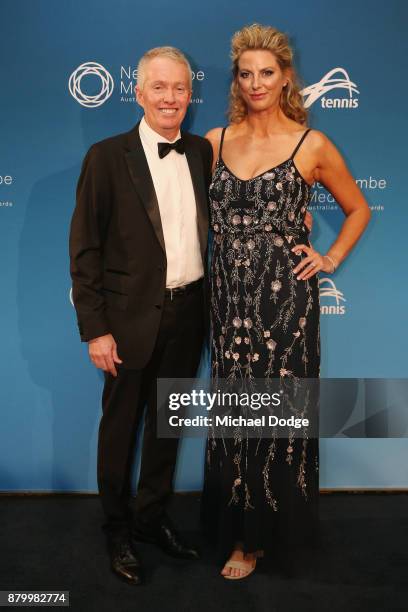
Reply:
x=310, y=265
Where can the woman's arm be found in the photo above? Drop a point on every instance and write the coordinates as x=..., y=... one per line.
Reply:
x=332, y=172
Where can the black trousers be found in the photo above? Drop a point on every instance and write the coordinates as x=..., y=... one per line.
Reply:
x=176, y=355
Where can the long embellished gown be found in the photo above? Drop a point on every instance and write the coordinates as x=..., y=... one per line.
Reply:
x=265, y=325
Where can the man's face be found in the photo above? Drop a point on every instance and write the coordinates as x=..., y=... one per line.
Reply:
x=165, y=95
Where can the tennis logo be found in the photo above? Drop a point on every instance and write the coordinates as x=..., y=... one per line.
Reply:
x=329, y=82
x=106, y=88
x=328, y=289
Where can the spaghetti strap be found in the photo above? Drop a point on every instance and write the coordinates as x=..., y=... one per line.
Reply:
x=300, y=142
x=221, y=142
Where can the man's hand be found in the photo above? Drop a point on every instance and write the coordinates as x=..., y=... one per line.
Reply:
x=308, y=220
x=103, y=353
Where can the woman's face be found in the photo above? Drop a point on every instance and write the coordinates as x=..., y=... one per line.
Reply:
x=260, y=79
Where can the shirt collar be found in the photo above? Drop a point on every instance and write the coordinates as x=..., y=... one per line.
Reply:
x=151, y=137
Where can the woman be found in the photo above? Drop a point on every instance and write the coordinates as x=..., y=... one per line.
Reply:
x=260, y=496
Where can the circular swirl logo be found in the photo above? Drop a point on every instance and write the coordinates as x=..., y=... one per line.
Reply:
x=76, y=92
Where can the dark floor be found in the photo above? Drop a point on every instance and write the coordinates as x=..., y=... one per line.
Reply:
x=56, y=543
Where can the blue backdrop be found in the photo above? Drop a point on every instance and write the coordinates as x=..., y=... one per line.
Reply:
x=50, y=393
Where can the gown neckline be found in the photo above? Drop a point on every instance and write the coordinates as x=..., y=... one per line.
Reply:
x=253, y=178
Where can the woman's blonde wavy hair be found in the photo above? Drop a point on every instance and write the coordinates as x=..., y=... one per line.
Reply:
x=253, y=37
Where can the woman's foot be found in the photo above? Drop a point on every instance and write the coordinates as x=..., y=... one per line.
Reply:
x=239, y=565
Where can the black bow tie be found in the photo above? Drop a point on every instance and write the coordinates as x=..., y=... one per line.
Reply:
x=166, y=147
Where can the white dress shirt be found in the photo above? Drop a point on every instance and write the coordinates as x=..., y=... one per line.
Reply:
x=175, y=195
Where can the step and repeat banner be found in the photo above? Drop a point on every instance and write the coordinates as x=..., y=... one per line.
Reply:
x=68, y=70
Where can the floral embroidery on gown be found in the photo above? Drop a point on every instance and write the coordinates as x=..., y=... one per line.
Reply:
x=265, y=325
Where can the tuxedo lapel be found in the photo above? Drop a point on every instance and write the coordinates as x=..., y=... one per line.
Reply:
x=143, y=183
x=197, y=176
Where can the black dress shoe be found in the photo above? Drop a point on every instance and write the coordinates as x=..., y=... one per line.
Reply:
x=163, y=534
x=124, y=561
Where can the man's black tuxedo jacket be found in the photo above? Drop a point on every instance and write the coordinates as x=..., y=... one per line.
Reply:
x=118, y=258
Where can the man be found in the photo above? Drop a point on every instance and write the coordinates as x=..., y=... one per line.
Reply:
x=138, y=249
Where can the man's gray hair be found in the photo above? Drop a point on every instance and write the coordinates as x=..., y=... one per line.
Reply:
x=170, y=52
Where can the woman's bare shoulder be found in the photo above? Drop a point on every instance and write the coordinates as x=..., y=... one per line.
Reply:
x=214, y=134
x=214, y=137
x=317, y=139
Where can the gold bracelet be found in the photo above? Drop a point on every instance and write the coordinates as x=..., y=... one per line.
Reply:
x=332, y=263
